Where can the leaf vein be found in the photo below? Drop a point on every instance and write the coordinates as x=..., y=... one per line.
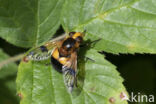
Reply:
x=32, y=84
x=52, y=10
x=37, y=27
x=52, y=84
x=139, y=10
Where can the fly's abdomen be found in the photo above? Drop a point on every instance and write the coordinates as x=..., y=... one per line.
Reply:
x=57, y=61
x=56, y=64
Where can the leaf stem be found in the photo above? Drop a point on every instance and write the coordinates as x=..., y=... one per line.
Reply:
x=11, y=59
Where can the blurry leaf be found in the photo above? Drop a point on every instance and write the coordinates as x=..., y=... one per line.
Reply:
x=27, y=23
x=7, y=81
x=125, y=26
x=98, y=83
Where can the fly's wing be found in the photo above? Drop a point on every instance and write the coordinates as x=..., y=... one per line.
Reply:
x=44, y=52
x=39, y=53
x=70, y=71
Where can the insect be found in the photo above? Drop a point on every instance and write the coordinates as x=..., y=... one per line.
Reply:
x=63, y=54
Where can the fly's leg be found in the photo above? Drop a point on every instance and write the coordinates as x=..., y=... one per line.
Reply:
x=90, y=43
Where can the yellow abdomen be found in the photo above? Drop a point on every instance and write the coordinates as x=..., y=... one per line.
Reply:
x=62, y=60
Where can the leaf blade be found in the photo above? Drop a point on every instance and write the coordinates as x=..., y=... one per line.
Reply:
x=29, y=23
x=45, y=82
x=126, y=26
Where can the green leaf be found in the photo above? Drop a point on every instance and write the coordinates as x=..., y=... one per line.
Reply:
x=7, y=81
x=125, y=26
x=98, y=82
x=27, y=23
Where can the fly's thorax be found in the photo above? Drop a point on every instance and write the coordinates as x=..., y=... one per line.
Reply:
x=68, y=46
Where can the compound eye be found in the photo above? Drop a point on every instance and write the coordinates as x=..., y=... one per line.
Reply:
x=79, y=39
x=71, y=33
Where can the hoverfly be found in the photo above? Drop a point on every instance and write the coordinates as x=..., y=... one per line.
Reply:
x=63, y=54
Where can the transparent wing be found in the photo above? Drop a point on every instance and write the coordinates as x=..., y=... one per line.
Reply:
x=44, y=52
x=39, y=53
x=70, y=71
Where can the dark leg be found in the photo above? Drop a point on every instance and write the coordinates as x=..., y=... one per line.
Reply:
x=87, y=58
x=89, y=43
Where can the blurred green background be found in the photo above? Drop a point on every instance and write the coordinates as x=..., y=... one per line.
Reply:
x=138, y=70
